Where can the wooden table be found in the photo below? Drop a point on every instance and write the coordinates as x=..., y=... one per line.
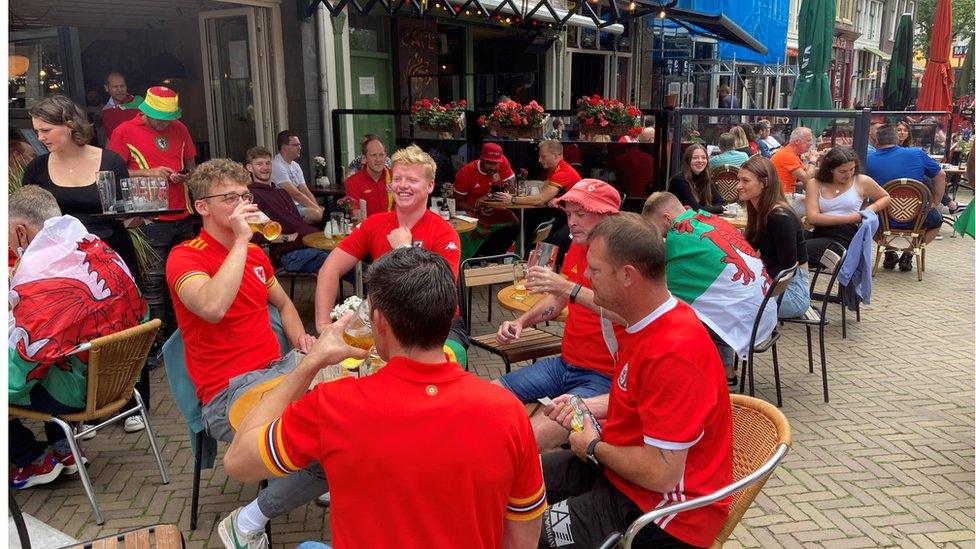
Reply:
x=949, y=169
x=462, y=226
x=247, y=401
x=521, y=209
x=318, y=241
x=332, y=190
x=507, y=300
x=739, y=222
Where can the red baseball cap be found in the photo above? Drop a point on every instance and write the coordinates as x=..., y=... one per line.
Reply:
x=593, y=196
x=491, y=152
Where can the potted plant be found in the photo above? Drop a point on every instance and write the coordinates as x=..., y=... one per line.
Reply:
x=601, y=116
x=512, y=119
x=433, y=116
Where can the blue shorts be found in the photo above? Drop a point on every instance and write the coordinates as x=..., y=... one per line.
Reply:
x=933, y=220
x=552, y=377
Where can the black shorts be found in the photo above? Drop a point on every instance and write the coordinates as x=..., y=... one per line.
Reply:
x=585, y=508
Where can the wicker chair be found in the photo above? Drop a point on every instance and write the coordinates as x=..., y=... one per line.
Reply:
x=761, y=438
x=114, y=364
x=726, y=179
x=910, y=203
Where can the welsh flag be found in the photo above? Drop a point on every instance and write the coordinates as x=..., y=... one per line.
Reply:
x=711, y=267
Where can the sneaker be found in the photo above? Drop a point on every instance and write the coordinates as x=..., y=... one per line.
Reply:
x=732, y=382
x=905, y=263
x=890, y=260
x=134, y=424
x=324, y=500
x=233, y=538
x=68, y=460
x=88, y=436
x=42, y=472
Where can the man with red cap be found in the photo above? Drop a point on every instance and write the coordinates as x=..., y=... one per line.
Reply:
x=474, y=183
x=157, y=144
x=590, y=337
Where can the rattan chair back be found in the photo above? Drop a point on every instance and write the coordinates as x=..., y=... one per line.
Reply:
x=726, y=179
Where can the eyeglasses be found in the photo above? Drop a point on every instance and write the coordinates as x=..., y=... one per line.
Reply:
x=231, y=198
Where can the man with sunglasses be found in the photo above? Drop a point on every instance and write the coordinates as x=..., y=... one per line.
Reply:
x=221, y=286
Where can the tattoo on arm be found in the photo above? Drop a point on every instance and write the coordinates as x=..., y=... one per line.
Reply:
x=547, y=313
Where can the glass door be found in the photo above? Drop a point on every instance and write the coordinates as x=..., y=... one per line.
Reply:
x=238, y=72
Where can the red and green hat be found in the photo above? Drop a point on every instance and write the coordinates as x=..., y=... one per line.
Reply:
x=161, y=103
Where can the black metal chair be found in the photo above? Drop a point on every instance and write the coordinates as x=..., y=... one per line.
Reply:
x=816, y=315
x=776, y=289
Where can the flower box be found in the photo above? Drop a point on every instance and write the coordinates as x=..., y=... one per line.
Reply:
x=515, y=132
x=512, y=119
x=613, y=130
x=455, y=128
x=432, y=116
x=600, y=116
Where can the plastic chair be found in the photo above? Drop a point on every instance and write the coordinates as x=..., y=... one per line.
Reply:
x=777, y=288
x=761, y=438
x=114, y=364
x=533, y=343
x=910, y=203
x=726, y=179
x=833, y=258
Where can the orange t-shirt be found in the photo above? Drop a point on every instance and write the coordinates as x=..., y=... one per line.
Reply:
x=785, y=160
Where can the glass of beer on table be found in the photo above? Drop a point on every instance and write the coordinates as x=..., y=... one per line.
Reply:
x=262, y=224
x=520, y=269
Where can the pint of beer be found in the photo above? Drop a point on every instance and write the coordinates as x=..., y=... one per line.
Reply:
x=520, y=268
x=359, y=331
x=260, y=223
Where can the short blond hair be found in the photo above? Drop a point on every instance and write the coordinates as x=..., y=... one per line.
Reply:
x=659, y=202
x=215, y=171
x=415, y=156
x=552, y=145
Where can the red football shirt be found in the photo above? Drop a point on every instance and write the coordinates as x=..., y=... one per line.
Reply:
x=144, y=148
x=563, y=176
x=242, y=341
x=444, y=456
x=583, y=342
x=431, y=232
x=669, y=391
x=376, y=193
x=470, y=184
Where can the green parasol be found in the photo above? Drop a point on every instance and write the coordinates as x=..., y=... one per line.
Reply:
x=966, y=222
x=964, y=86
x=816, y=38
x=897, y=93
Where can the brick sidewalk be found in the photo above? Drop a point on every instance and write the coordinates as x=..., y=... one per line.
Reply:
x=889, y=462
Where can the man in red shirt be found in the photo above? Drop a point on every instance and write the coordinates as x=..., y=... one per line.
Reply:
x=374, y=183
x=157, y=144
x=667, y=437
x=448, y=458
x=586, y=363
x=473, y=184
x=560, y=176
x=121, y=105
x=221, y=286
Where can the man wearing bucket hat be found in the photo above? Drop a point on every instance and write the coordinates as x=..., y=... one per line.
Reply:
x=590, y=337
x=157, y=144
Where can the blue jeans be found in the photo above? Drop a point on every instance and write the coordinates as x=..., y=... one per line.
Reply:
x=24, y=447
x=313, y=545
x=551, y=377
x=162, y=236
x=304, y=260
x=796, y=298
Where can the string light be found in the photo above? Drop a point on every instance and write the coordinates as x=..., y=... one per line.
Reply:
x=633, y=6
x=661, y=14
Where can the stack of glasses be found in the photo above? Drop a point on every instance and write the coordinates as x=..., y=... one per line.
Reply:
x=134, y=194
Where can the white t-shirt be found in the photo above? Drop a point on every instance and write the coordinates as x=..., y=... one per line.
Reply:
x=286, y=172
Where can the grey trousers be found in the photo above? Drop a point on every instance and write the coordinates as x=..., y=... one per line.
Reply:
x=282, y=494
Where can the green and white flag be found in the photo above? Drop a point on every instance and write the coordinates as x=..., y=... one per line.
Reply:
x=711, y=267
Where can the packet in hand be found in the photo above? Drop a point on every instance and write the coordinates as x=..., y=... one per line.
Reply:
x=580, y=412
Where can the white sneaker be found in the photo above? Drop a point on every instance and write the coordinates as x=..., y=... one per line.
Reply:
x=324, y=500
x=134, y=424
x=234, y=538
x=87, y=436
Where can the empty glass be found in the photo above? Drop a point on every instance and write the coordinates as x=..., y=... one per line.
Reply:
x=163, y=189
x=544, y=255
x=125, y=185
x=105, y=181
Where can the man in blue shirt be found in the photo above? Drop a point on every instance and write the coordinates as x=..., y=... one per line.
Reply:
x=728, y=155
x=891, y=161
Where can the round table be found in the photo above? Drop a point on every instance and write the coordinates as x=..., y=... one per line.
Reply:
x=250, y=398
x=521, y=209
x=507, y=300
x=318, y=241
x=739, y=221
x=462, y=225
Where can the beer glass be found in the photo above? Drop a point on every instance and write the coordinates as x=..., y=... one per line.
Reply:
x=544, y=255
x=519, y=269
x=125, y=185
x=260, y=223
x=359, y=331
x=163, y=188
x=105, y=181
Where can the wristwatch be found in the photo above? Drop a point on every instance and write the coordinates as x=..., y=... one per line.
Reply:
x=575, y=292
x=591, y=452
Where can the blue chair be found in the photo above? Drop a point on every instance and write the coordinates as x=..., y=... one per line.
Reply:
x=204, y=446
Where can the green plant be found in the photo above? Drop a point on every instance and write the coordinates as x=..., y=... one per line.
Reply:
x=145, y=253
x=15, y=177
x=598, y=111
x=511, y=114
x=436, y=115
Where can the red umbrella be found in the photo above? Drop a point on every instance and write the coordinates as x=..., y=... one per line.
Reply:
x=936, y=92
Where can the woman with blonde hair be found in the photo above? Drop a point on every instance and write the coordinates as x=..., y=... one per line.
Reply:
x=741, y=142
x=774, y=230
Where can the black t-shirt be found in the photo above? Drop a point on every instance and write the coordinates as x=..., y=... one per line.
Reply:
x=681, y=189
x=782, y=243
x=80, y=202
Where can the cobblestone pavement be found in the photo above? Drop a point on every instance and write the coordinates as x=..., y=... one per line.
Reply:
x=888, y=462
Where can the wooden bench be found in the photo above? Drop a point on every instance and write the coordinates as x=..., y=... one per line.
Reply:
x=161, y=536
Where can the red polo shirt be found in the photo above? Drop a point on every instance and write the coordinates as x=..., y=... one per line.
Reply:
x=144, y=148
x=376, y=192
x=242, y=341
x=431, y=232
x=583, y=343
x=669, y=392
x=447, y=457
x=563, y=176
